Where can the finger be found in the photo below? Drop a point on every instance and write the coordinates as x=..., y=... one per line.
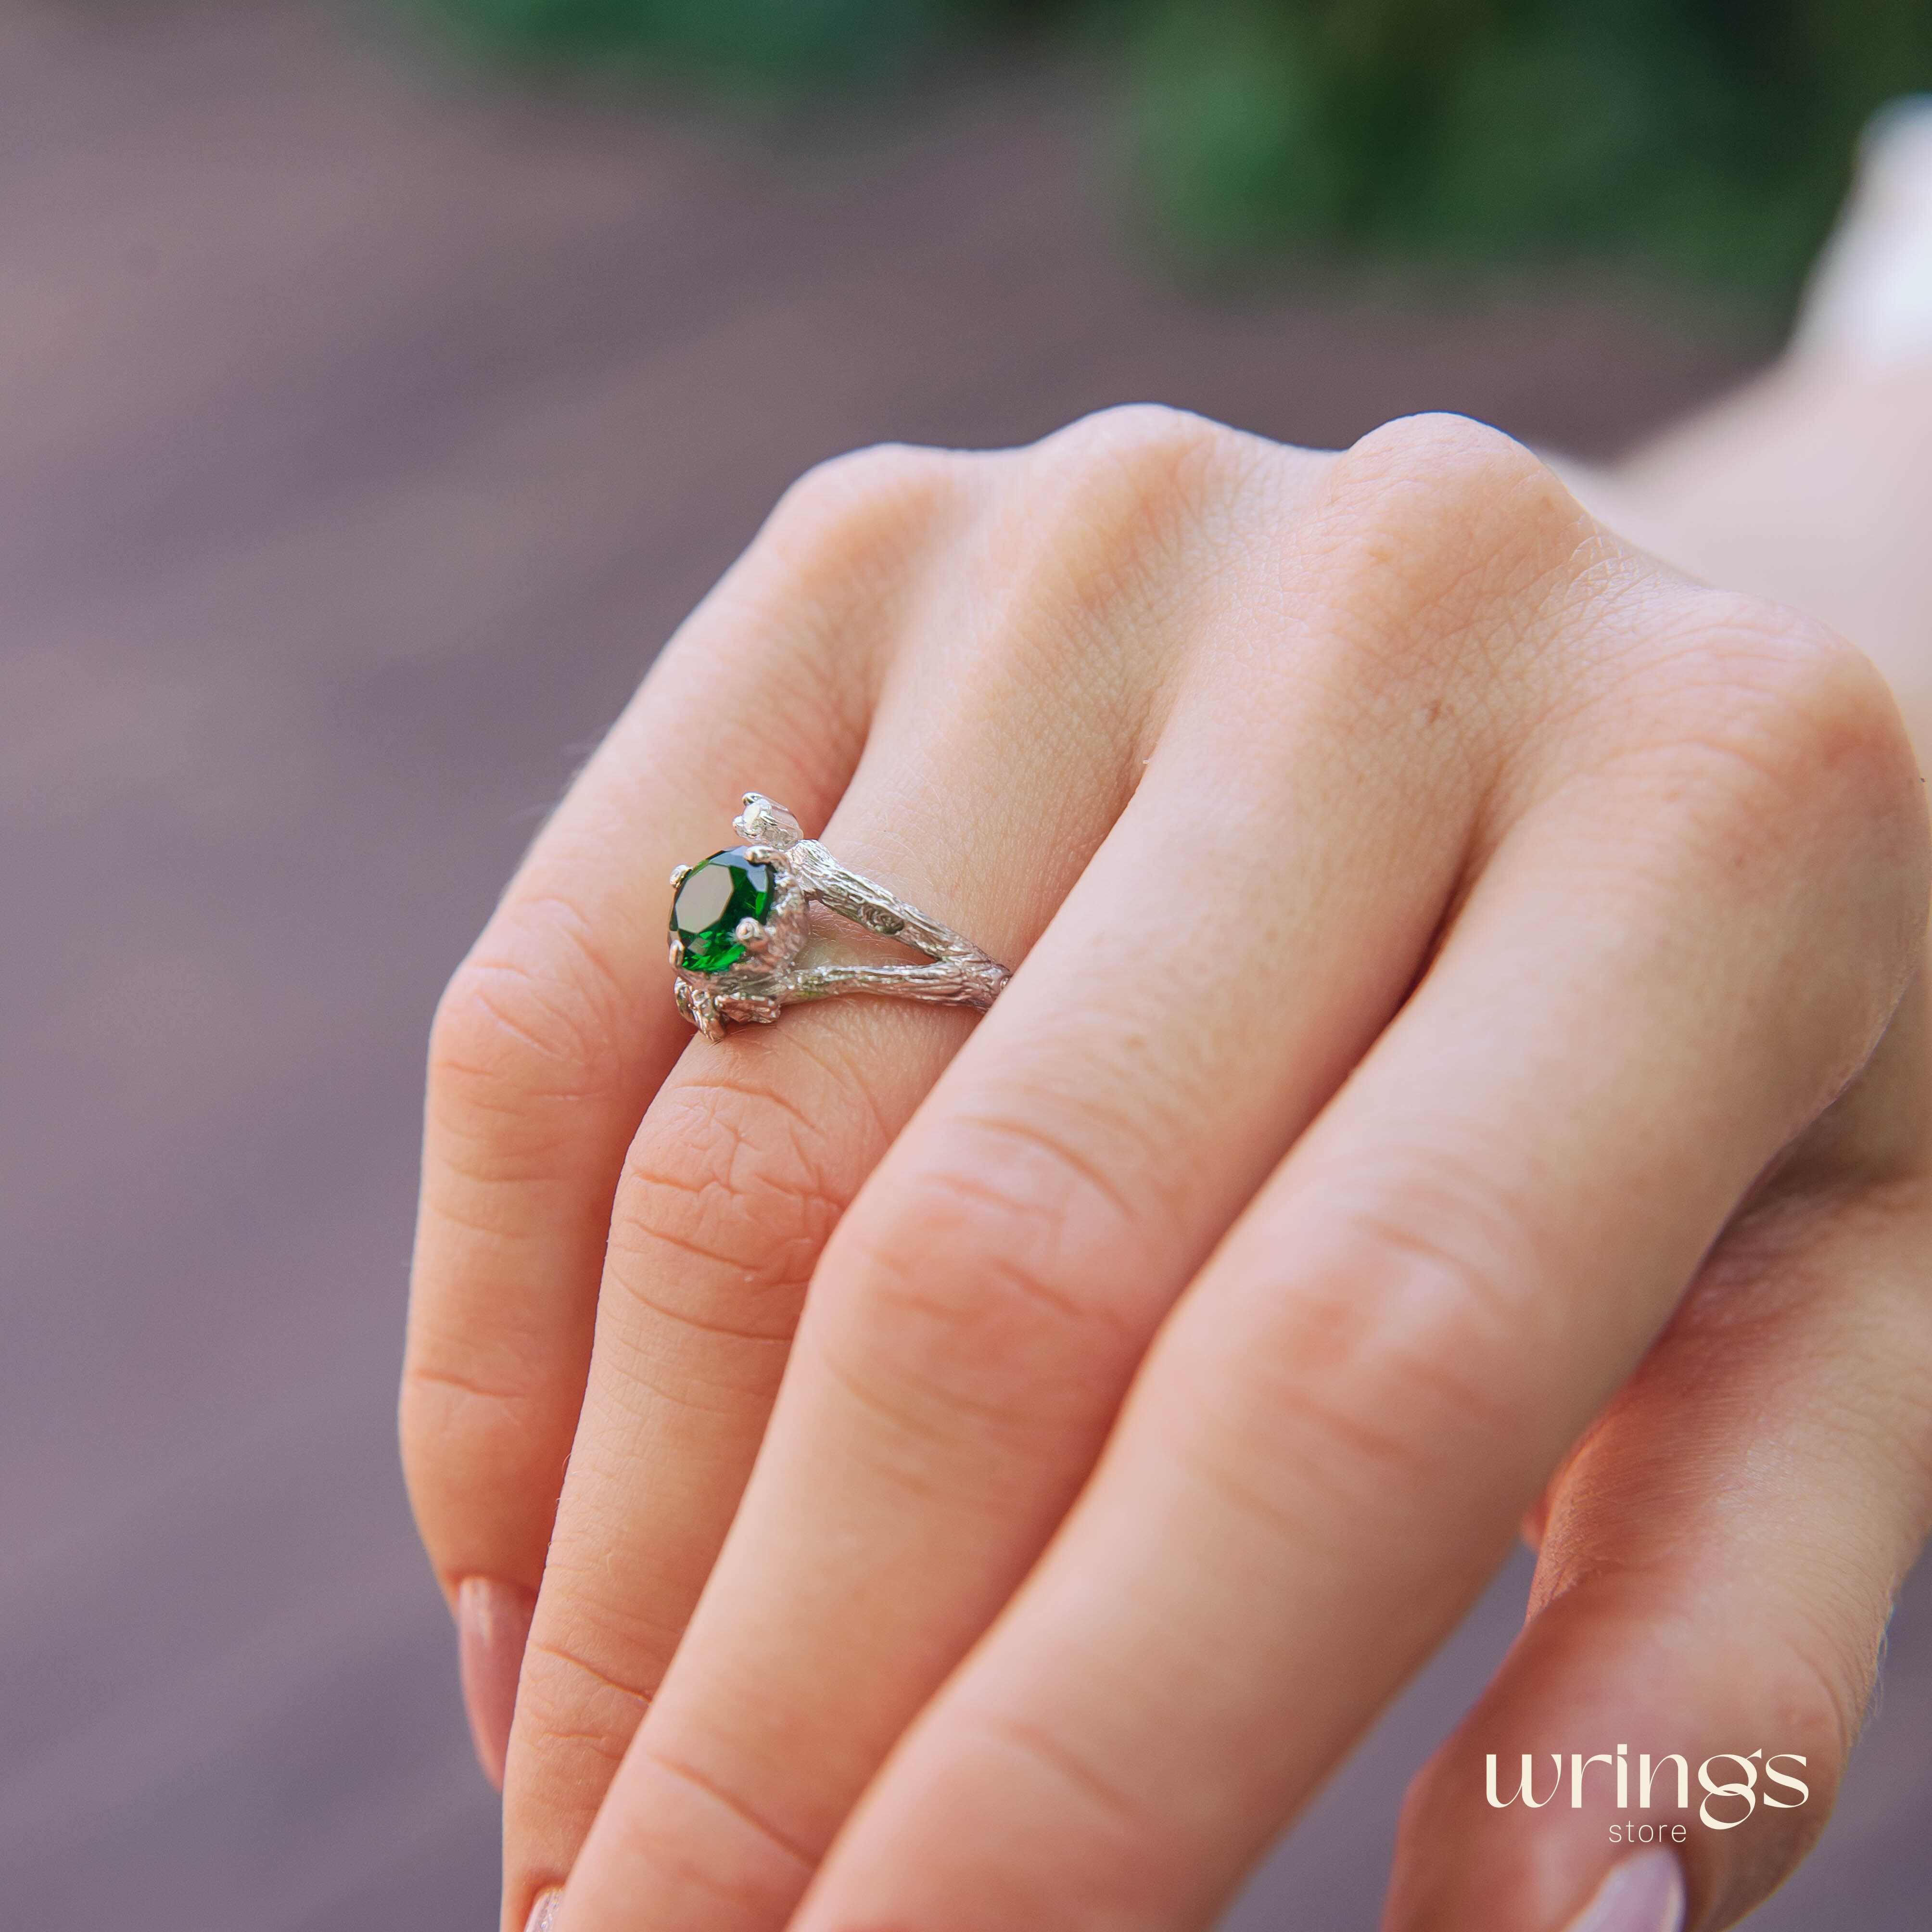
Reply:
x=1333, y=1436
x=974, y=1324
x=1722, y=1554
x=752, y=1149
x=559, y=1027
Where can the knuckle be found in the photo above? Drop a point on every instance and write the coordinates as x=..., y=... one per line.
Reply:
x=1406, y=1342
x=754, y=1822
x=1783, y=751
x=724, y=1851
x=1438, y=539
x=736, y=1180
x=1452, y=457
x=1802, y=708
x=450, y=1419
x=1132, y=471
x=1090, y=521
x=1152, y=434
x=464, y=1446
x=1116, y=1813
x=569, y=1702
x=533, y=1016
x=994, y=1279
x=850, y=510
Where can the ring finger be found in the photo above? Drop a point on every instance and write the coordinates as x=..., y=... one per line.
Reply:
x=558, y=1028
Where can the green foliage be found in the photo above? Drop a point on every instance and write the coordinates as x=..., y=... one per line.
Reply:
x=761, y=46
x=1709, y=138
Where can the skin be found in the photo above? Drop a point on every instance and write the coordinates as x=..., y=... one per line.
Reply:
x=1466, y=1066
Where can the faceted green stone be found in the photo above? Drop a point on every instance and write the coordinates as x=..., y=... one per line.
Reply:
x=715, y=896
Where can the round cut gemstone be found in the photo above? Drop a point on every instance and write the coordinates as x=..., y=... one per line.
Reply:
x=727, y=887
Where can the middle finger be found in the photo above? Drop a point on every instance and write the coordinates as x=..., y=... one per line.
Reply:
x=974, y=1323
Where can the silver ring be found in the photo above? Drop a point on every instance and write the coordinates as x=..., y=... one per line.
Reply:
x=740, y=919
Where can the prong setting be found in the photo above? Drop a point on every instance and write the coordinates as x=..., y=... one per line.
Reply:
x=761, y=975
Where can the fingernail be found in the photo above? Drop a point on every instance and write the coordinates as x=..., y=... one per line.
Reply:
x=543, y=1914
x=1645, y=1893
x=493, y=1625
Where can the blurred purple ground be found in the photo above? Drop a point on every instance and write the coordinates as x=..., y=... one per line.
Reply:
x=360, y=438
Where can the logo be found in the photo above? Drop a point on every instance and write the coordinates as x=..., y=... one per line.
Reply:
x=1729, y=1801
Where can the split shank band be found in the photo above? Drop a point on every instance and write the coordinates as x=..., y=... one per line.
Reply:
x=740, y=919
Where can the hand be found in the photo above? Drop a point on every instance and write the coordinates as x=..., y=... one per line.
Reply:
x=1457, y=1069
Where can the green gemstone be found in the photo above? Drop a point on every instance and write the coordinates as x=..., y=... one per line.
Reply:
x=727, y=887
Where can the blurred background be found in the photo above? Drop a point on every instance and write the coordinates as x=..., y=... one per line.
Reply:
x=378, y=387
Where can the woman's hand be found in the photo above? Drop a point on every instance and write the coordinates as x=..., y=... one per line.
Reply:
x=1456, y=1069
